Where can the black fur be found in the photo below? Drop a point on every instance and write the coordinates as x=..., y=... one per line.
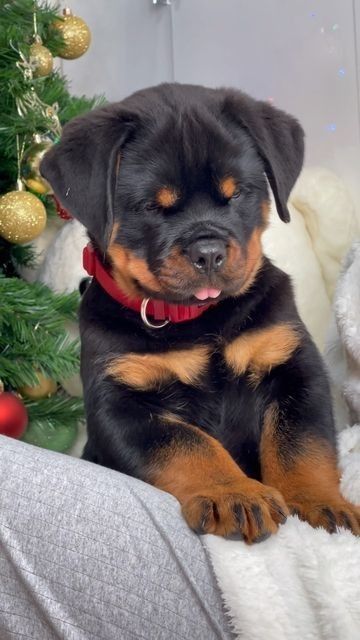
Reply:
x=121, y=424
x=186, y=136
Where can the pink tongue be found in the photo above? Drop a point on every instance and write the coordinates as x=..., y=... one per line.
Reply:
x=204, y=294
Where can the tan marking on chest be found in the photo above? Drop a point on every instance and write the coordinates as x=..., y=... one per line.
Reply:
x=258, y=351
x=152, y=370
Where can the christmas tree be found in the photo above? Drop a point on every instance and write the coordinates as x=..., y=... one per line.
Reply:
x=35, y=351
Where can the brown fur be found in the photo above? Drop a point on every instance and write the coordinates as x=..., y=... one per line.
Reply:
x=171, y=418
x=134, y=277
x=234, y=261
x=176, y=270
x=127, y=268
x=228, y=187
x=258, y=351
x=309, y=481
x=243, y=265
x=253, y=260
x=166, y=197
x=151, y=370
x=215, y=495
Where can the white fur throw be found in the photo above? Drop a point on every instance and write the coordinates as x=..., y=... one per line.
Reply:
x=342, y=351
x=301, y=584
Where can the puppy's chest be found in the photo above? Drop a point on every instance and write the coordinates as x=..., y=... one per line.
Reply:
x=221, y=386
x=204, y=384
x=199, y=387
x=224, y=406
x=208, y=368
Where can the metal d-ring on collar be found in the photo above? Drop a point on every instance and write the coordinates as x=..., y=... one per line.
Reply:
x=144, y=317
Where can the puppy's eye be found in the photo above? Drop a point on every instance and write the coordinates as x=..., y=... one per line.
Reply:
x=236, y=195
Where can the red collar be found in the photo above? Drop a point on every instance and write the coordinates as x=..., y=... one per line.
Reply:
x=159, y=310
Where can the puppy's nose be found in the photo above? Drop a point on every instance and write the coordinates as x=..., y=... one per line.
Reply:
x=208, y=255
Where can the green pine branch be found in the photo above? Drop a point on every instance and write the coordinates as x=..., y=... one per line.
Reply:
x=35, y=303
x=16, y=32
x=55, y=410
x=33, y=336
x=55, y=358
x=12, y=256
x=16, y=28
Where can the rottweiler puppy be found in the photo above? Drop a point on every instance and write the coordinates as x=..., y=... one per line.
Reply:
x=199, y=376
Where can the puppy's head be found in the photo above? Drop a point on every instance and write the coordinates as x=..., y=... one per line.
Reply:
x=171, y=185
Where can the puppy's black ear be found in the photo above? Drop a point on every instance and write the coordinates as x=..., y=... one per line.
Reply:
x=81, y=168
x=278, y=137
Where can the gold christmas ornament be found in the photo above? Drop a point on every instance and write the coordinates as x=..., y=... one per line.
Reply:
x=46, y=387
x=41, y=60
x=76, y=35
x=30, y=165
x=22, y=217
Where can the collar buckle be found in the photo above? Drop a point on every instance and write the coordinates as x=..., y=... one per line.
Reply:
x=145, y=319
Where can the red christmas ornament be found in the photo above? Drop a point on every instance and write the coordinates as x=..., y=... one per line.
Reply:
x=13, y=415
x=64, y=215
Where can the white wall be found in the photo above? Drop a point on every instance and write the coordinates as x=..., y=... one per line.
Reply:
x=131, y=41
x=303, y=54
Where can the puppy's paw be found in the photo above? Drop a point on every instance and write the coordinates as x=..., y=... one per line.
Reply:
x=250, y=509
x=328, y=514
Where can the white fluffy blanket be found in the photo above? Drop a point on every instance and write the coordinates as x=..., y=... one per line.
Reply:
x=301, y=584
x=342, y=351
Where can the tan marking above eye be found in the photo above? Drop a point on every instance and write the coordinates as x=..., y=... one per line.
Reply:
x=228, y=187
x=258, y=351
x=166, y=197
x=151, y=370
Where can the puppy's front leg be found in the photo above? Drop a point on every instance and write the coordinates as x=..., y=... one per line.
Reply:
x=298, y=450
x=215, y=495
x=304, y=468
